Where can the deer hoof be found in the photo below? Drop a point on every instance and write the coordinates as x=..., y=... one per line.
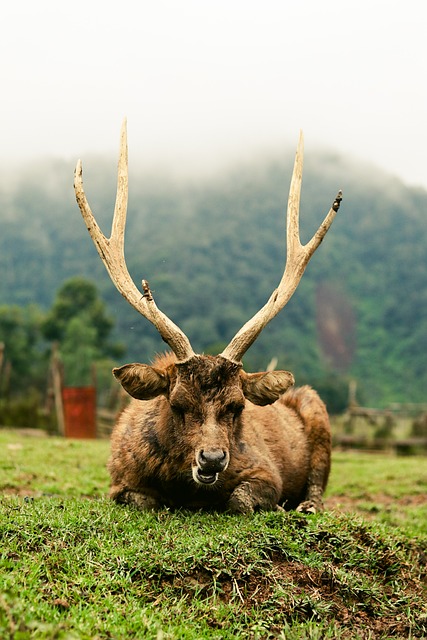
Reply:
x=309, y=506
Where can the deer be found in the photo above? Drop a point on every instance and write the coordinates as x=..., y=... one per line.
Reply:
x=200, y=432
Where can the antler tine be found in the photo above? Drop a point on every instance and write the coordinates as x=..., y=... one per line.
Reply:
x=121, y=205
x=111, y=251
x=297, y=258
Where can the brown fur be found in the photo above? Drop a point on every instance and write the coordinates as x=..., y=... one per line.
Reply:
x=197, y=440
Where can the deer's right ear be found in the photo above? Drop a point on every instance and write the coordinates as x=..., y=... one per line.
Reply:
x=142, y=381
x=267, y=386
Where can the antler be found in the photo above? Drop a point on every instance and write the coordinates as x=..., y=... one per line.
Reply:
x=297, y=258
x=111, y=251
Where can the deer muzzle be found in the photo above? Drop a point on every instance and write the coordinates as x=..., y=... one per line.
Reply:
x=209, y=464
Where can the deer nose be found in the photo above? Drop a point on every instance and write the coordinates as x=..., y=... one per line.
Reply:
x=212, y=461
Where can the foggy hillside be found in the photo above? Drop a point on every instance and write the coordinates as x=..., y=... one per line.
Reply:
x=214, y=250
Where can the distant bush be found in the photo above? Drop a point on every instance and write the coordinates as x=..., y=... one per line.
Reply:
x=333, y=390
x=25, y=412
x=419, y=426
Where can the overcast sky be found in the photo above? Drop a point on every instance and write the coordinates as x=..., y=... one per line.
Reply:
x=204, y=82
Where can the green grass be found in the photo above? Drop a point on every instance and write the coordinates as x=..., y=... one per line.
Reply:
x=388, y=489
x=76, y=566
x=357, y=474
x=38, y=465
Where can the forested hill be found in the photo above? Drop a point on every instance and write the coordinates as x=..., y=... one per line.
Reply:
x=214, y=251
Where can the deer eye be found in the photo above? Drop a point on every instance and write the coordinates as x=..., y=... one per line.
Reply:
x=179, y=414
x=234, y=408
x=179, y=400
x=178, y=407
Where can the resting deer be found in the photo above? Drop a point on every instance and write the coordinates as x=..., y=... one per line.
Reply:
x=200, y=431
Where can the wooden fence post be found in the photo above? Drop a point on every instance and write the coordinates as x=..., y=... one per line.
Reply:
x=57, y=388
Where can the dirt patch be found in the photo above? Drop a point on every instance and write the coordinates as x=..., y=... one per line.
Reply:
x=376, y=503
x=301, y=594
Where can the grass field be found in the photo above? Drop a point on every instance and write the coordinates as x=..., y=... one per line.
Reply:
x=76, y=566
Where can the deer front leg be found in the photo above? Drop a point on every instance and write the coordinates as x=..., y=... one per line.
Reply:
x=249, y=496
x=136, y=499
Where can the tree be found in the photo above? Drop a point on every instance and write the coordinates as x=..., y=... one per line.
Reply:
x=78, y=351
x=78, y=321
x=78, y=297
x=24, y=358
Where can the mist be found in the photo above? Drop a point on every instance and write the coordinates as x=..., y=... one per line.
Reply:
x=207, y=85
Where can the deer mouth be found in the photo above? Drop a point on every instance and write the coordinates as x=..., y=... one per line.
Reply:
x=201, y=477
x=209, y=464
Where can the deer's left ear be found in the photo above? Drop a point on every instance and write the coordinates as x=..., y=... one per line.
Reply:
x=266, y=387
x=142, y=381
